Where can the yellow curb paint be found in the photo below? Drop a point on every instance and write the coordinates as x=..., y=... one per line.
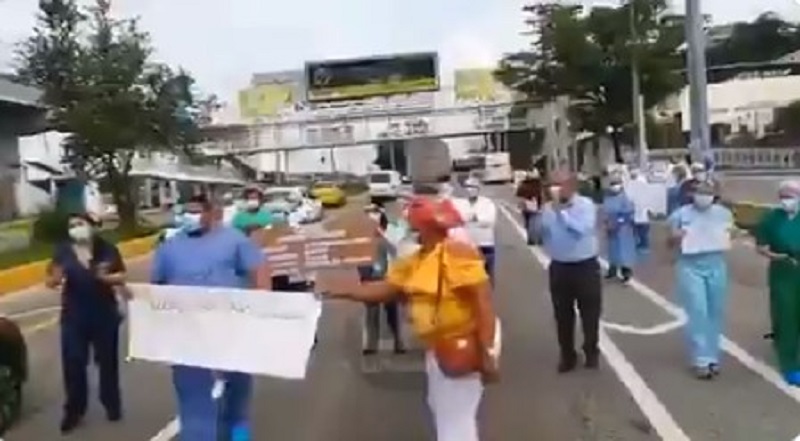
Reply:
x=31, y=274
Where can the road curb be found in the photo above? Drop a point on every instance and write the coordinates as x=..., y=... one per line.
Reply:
x=28, y=275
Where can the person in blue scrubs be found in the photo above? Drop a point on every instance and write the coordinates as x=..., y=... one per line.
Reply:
x=86, y=268
x=618, y=213
x=207, y=253
x=702, y=279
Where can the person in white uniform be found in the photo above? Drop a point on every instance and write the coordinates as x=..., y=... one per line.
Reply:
x=638, y=190
x=479, y=214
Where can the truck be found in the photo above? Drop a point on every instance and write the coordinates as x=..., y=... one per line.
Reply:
x=428, y=160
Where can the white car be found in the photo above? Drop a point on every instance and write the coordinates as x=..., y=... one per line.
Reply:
x=292, y=204
x=384, y=185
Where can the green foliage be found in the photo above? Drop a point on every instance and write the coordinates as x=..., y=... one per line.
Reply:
x=104, y=90
x=50, y=226
x=766, y=38
x=588, y=58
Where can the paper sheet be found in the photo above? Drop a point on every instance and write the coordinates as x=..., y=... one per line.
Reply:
x=257, y=332
x=706, y=237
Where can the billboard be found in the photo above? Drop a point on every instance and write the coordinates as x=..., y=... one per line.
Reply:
x=370, y=77
x=479, y=85
x=267, y=100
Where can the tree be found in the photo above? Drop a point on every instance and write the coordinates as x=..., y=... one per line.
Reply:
x=587, y=57
x=766, y=38
x=102, y=89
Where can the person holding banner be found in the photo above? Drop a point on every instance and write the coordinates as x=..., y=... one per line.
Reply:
x=86, y=268
x=448, y=294
x=208, y=254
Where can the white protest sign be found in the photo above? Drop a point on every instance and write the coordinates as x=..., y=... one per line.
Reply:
x=256, y=332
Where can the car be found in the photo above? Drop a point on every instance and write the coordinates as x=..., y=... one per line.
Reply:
x=13, y=372
x=384, y=185
x=282, y=200
x=329, y=194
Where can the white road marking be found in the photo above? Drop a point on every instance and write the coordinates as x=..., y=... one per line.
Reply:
x=766, y=372
x=169, y=432
x=653, y=330
x=653, y=409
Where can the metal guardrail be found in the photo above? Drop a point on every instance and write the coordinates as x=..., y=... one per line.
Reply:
x=739, y=158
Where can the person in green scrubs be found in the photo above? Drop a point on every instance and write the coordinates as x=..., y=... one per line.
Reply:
x=778, y=239
x=253, y=215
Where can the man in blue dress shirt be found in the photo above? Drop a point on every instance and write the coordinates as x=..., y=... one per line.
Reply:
x=569, y=236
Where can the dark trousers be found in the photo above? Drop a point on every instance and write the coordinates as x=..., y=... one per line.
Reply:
x=374, y=324
x=488, y=261
x=78, y=340
x=576, y=283
x=642, y=232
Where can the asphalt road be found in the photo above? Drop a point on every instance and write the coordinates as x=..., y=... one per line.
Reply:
x=642, y=392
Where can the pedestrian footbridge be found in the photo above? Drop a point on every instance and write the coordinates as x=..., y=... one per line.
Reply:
x=337, y=128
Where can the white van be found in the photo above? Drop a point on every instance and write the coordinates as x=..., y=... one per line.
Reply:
x=384, y=185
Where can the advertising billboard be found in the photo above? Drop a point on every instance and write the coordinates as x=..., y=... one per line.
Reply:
x=267, y=100
x=479, y=85
x=371, y=77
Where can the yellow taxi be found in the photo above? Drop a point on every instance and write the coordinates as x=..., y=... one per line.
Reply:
x=329, y=194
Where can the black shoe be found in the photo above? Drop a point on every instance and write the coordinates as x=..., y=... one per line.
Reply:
x=70, y=423
x=399, y=348
x=713, y=368
x=114, y=415
x=567, y=365
x=703, y=373
x=369, y=351
x=592, y=361
x=611, y=275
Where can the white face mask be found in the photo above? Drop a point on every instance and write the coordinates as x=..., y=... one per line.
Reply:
x=555, y=191
x=616, y=188
x=191, y=222
x=252, y=204
x=472, y=192
x=790, y=204
x=375, y=216
x=703, y=200
x=80, y=233
x=701, y=176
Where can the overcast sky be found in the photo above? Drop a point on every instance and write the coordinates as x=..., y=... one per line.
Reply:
x=224, y=42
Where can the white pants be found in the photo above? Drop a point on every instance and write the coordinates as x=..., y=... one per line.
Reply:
x=453, y=402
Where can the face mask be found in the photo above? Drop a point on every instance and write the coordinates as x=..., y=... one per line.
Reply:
x=701, y=176
x=80, y=233
x=790, y=204
x=703, y=200
x=191, y=222
x=375, y=216
x=555, y=191
x=616, y=188
x=472, y=192
x=252, y=204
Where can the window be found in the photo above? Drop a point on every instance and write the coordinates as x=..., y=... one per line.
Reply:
x=380, y=178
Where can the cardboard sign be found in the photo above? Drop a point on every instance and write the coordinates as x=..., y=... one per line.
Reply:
x=346, y=242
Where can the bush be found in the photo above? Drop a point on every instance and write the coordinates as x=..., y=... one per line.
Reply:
x=50, y=226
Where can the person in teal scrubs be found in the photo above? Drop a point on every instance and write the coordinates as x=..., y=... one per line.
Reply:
x=253, y=215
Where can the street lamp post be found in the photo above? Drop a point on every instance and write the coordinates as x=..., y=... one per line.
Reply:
x=700, y=140
x=636, y=92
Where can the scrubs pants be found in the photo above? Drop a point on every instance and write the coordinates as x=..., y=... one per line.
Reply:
x=79, y=338
x=488, y=261
x=203, y=418
x=784, y=294
x=642, y=233
x=702, y=282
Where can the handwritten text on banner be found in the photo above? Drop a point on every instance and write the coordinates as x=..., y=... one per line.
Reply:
x=257, y=332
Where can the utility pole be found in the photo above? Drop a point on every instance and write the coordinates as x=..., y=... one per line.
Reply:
x=638, y=100
x=700, y=140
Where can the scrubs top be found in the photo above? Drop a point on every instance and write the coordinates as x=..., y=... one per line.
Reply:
x=244, y=220
x=85, y=298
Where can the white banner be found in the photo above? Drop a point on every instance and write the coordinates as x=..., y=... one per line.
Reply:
x=257, y=332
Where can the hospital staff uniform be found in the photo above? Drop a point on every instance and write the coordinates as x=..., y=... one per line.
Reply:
x=220, y=257
x=702, y=284
x=780, y=231
x=480, y=216
x=618, y=211
x=90, y=322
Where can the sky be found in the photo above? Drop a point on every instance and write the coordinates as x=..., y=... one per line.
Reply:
x=223, y=42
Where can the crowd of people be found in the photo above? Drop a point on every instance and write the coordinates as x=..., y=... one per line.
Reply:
x=436, y=258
